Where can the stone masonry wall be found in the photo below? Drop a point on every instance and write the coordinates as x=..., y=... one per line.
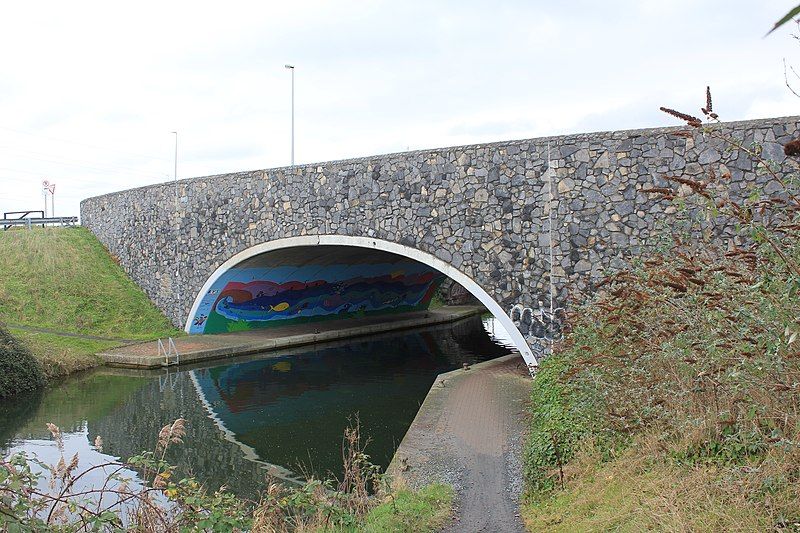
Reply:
x=481, y=208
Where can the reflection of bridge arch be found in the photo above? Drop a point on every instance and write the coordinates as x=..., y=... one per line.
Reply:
x=373, y=244
x=290, y=407
x=250, y=454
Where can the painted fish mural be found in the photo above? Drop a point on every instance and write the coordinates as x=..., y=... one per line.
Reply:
x=250, y=298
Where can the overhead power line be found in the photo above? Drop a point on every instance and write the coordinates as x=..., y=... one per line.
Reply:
x=59, y=159
x=82, y=144
x=85, y=167
x=70, y=178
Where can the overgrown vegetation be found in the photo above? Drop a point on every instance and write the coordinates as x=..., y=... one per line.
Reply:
x=673, y=402
x=35, y=496
x=64, y=280
x=19, y=370
x=59, y=355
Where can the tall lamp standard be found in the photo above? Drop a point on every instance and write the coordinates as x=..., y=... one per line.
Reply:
x=175, y=170
x=177, y=222
x=291, y=67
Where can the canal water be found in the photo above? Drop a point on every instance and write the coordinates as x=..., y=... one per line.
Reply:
x=281, y=414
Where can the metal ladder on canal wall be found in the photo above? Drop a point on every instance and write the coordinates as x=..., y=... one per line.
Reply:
x=170, y=352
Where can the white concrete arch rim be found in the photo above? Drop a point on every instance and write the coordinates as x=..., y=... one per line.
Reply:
x=377, y=244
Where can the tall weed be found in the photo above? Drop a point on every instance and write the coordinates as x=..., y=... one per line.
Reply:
x=696, y=345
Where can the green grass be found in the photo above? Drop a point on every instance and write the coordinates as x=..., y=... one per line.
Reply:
x=61, y=356
x=633, y=494
x=422, y=511
x=403, y=511
x=65, y=280
x=686, y=366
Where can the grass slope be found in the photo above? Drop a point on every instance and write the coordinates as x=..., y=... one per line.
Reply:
x=422, y=511
x=637, y=493
x=65, y=280
x=60, y=355
x=674, y=403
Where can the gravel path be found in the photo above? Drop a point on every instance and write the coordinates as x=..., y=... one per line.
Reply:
x=49, y=331
x=469, y=433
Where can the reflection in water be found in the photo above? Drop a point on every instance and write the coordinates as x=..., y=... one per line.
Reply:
x=277, y=413
x=77, y=442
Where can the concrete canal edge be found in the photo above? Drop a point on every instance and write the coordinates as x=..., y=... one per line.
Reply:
x=196, y=348
x=469, y=433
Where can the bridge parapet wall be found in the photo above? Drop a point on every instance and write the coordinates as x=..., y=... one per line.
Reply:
x=483, y=209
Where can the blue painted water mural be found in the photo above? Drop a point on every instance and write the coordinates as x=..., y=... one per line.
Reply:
x=342, y=282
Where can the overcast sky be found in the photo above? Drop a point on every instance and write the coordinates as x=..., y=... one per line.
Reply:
x=89, y=92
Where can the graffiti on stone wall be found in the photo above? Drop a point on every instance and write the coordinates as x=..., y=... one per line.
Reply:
x=540, y=326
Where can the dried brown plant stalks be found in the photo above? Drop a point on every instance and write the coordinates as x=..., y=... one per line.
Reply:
x=153, y=502
x=695, y=350
x=156, y=501
x=769, y=215
x=360, y=489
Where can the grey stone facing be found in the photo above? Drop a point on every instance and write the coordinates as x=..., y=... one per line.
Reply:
x=481, y=208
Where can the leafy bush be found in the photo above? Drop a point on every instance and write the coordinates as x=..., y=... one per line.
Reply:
x=19, y=370
x=563, y=417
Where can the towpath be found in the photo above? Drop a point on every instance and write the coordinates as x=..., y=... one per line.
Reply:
x=196, y=348
x=48, y=331
x=469, y=433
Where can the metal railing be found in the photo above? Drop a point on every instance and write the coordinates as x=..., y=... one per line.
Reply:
x=30, y=222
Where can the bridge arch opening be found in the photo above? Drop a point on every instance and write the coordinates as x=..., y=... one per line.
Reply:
x=316, y=277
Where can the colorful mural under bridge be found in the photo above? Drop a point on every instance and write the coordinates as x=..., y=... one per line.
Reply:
x=305, y=284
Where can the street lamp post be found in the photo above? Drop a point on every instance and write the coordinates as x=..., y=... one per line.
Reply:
x=177, y=224
x=175, y=170
x=291, y=67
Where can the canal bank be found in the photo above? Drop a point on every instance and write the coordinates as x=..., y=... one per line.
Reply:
x=469, y=433
x=259, y=414
x=66, y=299
x=196, y=348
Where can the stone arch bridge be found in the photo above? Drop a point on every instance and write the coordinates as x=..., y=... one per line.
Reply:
x=377, y=234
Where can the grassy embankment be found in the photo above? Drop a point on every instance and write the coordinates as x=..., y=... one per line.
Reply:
x=63, y=279
x=426, y=510
x=674, y=409
x=674, y=402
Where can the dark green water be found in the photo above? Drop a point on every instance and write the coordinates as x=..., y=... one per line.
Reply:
x=284, y=414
